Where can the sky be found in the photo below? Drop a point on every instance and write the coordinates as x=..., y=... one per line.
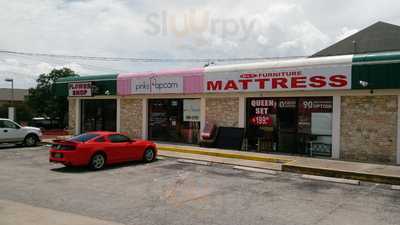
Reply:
x=186, y=29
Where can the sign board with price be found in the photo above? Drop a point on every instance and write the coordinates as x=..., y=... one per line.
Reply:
x=315, y=105
x=312, y=107
x=260, y=110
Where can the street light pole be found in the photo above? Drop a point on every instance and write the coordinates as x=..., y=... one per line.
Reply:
x=12, y=89
x=12, y=95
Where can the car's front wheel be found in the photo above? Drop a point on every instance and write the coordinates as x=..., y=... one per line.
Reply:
x=149, y=155
x=30, y=140
x=98, y=161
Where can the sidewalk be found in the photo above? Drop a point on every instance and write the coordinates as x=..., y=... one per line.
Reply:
x=314, y=166
x=220, y=159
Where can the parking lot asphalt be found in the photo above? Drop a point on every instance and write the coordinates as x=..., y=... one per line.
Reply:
x=170, y=192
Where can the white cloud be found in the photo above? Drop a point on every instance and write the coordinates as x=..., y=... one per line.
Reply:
x=262, y=40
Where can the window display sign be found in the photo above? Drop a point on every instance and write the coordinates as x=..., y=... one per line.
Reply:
x=294, y=79
x=287, y=103
x=261, y=110
x=261, y=120
x=82, y=89
x=315, y=105
x=191, y=110
x=309, y=106
x=157, y=85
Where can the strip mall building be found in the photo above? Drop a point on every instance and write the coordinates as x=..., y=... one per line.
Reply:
x=344, y=107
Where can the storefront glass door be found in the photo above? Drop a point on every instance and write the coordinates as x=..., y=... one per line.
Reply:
x=287, y=125
x=167, y=121
x=98, y=115
x=290, y=125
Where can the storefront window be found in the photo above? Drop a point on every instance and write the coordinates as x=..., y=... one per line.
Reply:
x=315, y=125
x=98, y=115
x=290, y=125
x=261, y=131
x=174, y=120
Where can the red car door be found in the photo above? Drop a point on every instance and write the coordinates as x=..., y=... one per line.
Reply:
x=113, y=151
x=120, y=148
x=134, y=150
x=104, y=144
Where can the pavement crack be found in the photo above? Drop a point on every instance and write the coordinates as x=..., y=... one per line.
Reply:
x=329, y=213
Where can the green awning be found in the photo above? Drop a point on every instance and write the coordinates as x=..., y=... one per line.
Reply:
x=104, y=83
x=382, y=73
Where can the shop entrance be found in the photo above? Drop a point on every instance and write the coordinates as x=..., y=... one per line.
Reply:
x=174, y=120
x=99, y=114
x=289, y=125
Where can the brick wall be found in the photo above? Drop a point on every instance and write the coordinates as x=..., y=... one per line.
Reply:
x=131, y=117
x=223, y=111
x=368, y=128
x=71, y=115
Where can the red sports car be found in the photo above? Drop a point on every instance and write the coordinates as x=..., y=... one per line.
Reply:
x=100, y=148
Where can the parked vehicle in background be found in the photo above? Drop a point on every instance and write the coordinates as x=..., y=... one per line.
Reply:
x=12, y=132
x=45, y=123
x=100, y=148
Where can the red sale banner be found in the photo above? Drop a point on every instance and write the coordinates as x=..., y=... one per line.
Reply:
x=261, y=120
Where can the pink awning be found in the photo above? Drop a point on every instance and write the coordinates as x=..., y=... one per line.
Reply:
x=192, y=79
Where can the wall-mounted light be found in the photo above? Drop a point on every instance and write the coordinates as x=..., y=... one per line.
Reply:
x=366, y=84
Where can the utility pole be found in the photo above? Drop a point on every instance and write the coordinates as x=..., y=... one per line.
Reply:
x=12, y=110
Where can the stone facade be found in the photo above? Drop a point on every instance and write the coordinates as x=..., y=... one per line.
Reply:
x=369, y=128
x=71, y=115
x=131, y=117
x=223, y=111
x=368, y=124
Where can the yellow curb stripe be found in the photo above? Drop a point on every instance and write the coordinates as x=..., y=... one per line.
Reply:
x=223, y=155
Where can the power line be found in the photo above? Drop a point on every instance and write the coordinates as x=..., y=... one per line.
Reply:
x=145, y=60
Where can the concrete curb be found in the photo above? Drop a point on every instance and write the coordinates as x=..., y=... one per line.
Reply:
x=331, y=179
x=377, y=178
x=224, y=155
x=182, y=156
x=197, y=162
x=396, y=187
x=257, y=170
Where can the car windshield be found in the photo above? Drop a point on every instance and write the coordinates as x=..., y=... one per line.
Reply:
x=9, y=124
x=83, y=137
x=16, y=124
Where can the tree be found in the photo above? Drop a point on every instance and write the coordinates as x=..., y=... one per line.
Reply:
x=43, y=99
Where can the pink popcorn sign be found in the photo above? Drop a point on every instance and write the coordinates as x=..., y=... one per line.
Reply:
x=161, y=82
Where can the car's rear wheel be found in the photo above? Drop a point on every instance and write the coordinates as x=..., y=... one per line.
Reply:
x=30, y=140
x=98, y=161
x=149, y=155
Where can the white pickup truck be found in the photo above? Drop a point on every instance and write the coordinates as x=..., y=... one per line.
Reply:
x=12, y=132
